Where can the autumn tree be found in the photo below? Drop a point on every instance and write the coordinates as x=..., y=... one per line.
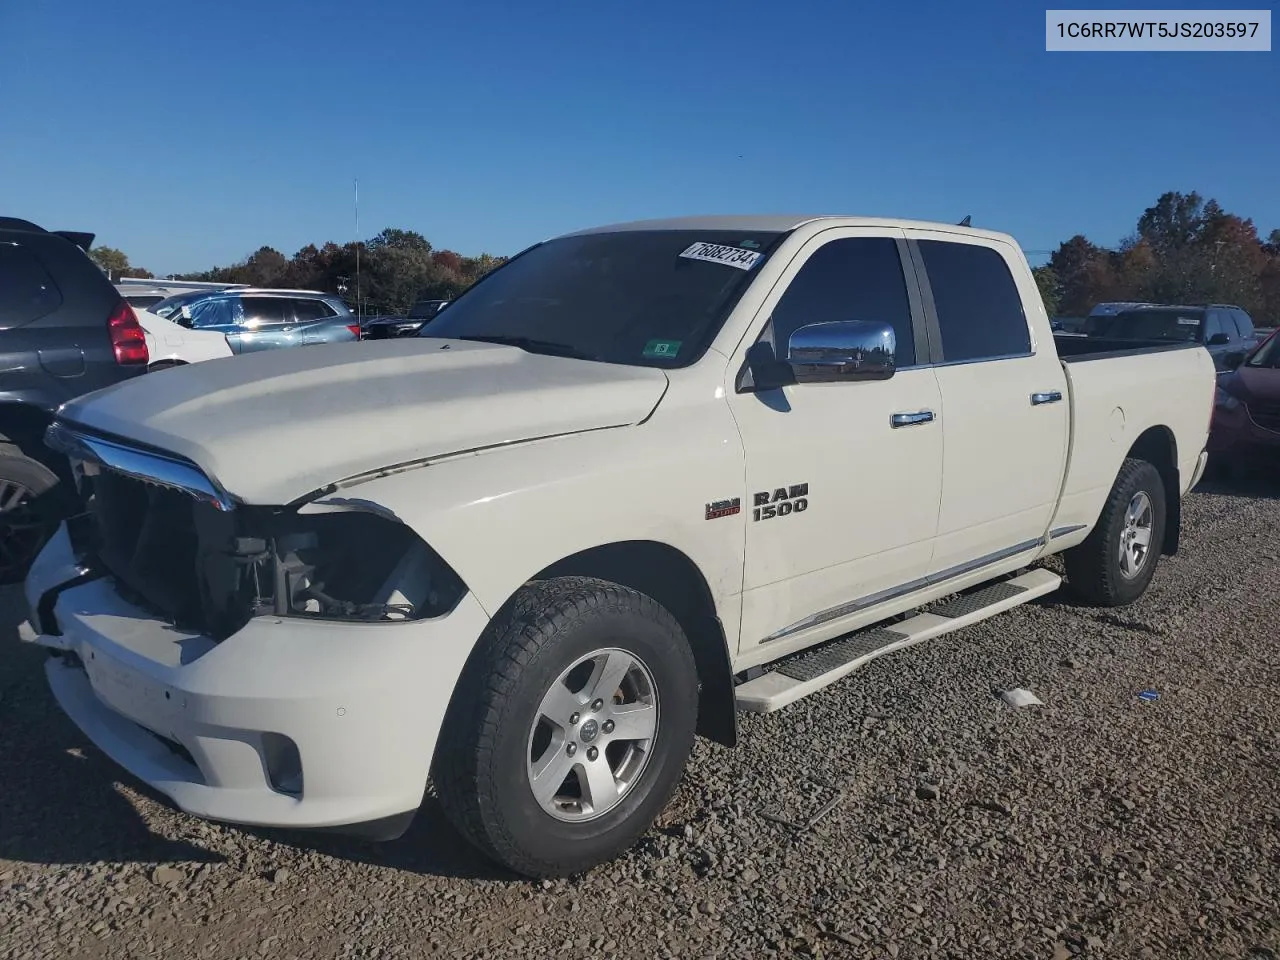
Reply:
x=1047, y=281
x=116, y=263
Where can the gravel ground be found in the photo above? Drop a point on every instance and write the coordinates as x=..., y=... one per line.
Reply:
x=1096, y=825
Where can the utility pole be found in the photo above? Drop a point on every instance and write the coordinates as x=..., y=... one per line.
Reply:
x=356, y=185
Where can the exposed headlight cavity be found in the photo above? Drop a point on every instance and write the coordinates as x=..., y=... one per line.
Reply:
x=358, y=566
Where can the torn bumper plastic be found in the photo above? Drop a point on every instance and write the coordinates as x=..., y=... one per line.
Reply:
x=287, y=723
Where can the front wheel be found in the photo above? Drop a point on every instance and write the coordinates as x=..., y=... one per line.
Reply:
x=1114, y=565
x=570, y=727
x=28, y=514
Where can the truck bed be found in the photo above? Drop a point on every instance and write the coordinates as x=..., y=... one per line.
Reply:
x=1075, y=349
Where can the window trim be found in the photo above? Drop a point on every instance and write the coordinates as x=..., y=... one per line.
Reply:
x=937, y=354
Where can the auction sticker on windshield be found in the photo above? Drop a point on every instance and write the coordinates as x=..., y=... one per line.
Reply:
x=717, y=253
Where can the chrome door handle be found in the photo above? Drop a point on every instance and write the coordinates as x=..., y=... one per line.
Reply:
x=1049, y=396
x=910, y=419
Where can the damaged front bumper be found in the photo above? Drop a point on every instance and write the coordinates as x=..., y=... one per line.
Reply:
x=286, y=723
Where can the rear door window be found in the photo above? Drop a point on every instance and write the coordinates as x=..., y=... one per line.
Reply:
x=309, y=311
x=27, y=292
x=265, y=312
x=979, y=308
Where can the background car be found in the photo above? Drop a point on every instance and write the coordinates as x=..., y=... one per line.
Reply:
x=143, y=300
x=172, y=345
x=1225, y=330
x=254, y=319
x=1246, y=410
x=64, y=331
x=384, y=328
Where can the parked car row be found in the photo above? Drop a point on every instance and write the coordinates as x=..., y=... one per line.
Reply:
x=1225, y=330
x=64, y=331
x=409, y=325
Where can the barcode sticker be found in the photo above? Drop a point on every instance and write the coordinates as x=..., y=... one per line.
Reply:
x=729, y=256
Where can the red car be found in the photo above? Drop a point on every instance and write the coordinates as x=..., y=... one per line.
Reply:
x=1246, y=409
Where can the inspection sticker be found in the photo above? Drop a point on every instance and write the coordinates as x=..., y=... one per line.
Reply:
x=729, y=256
x=667, y=349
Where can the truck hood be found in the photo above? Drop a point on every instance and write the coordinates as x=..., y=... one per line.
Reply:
x=271, y=427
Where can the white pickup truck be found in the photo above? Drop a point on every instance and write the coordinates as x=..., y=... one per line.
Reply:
x=636, y=479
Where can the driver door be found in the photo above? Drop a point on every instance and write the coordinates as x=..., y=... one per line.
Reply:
x=844, y=478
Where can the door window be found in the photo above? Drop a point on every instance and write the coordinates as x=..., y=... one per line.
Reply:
x=309, y=311
x=1244, y=325
x=854, y=278
x=1213, y=326
x=208, y=313
x=264, y=312
x=26, y=289
x=979, y=308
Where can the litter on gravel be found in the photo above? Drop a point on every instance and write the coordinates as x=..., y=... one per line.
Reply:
x=1020, y=697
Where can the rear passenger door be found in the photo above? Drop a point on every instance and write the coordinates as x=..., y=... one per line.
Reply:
x=1004, y=399
x=268, y=323
x=309, y=313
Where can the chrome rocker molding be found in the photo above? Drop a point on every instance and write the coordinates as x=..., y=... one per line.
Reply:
x=951, y=573
x=148, y=467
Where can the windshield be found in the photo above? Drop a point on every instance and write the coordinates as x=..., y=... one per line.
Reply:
x=1267, y=355
x=651, y=298
x=169, y=305
x=1154, y=324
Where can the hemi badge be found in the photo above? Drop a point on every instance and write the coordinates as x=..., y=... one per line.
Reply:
x=724, y=508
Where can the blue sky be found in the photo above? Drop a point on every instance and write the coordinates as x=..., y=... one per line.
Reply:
x=189, y=134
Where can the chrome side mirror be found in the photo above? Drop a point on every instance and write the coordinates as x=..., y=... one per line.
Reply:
x=842, y=350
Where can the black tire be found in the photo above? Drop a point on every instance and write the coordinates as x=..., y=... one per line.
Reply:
x=480, y=769
x=1094, y=571
x=28, y=511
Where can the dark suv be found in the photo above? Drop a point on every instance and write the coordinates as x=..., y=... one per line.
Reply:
x=1226, y=331
x=64, y=331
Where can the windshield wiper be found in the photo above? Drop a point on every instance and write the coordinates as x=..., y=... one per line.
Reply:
x=549, y=347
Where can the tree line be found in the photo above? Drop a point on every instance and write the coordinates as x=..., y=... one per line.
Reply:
x=1184, y=249
x=396, y=268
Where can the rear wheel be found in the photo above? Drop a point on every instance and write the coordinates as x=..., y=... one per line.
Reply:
x=27, y=513
x=570, y=727
x=1114, y=565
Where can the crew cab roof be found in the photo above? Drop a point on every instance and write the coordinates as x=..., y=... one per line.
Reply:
x=782, y=223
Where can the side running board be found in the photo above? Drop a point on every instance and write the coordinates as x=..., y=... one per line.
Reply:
x=815, y=669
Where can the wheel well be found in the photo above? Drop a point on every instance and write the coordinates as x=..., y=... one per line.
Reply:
x=1158, y=447
x=671, y=578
